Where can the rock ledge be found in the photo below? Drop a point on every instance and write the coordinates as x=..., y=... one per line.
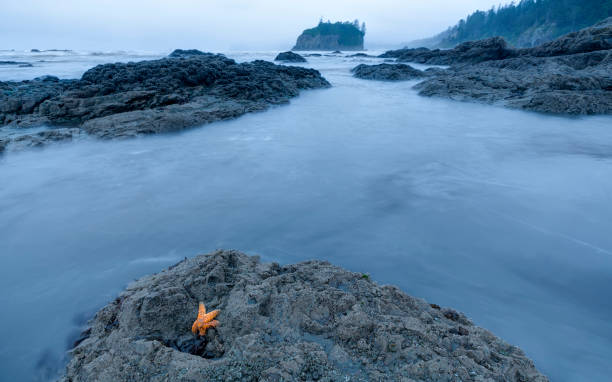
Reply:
x=387, y=72
x=122, y=100
x=308, y=321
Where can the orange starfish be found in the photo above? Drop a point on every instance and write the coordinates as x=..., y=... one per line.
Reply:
x=204, y=321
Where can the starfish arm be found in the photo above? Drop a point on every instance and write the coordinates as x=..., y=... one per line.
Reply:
x=194, y=327
x=209, y=316
x=203, y=330
x=201, y=310
x=207, y=325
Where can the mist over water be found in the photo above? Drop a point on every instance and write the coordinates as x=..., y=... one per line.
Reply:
x=502, y=214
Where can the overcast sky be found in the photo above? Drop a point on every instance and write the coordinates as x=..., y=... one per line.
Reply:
x=214, y=24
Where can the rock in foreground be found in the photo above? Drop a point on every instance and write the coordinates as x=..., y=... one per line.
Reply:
x=289, y=57
x=170, y=94
x=387, y=72
x=309, y=321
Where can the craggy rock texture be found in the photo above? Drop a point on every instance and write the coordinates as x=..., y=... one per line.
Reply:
x=571, y=75
x=387, y=72
x=309, y=321
x=577, y=84
x=597, y=37
x=129, y=99
x=289, y=57
x=470, y=52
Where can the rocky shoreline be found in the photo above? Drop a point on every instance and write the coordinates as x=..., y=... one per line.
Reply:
x=187, y=89
x=308, y=321
x=571, y=75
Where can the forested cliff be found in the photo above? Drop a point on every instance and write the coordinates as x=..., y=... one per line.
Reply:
x=526, y=23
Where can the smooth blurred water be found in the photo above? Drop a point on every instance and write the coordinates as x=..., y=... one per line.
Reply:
x=503, y=214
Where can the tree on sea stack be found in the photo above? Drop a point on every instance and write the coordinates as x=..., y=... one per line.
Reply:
x=332, y=36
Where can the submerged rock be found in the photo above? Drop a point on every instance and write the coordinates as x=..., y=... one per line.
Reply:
x=308, y=321
x=571, y=75
x=289, y=57
x=129, y=99
x=387, y=72
x=16, y=63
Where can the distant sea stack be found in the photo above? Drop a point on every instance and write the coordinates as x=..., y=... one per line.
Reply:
x=332, y=36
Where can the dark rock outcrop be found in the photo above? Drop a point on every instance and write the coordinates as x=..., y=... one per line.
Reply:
x=289, y=57
x=471, y=52
x=597, y=37
x=309, y=321
x=187, y=53
x=571, y=75
x=47, y=78
x=387, y=72
x=130, y=99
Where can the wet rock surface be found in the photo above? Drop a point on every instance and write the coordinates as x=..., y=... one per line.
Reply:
x=130, y=99
x=289, y=57
x=387, y=72
x=576, y=84
x=308, y=321
x=571, y=75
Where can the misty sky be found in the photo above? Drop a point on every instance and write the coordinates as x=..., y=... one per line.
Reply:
x=214, y=24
